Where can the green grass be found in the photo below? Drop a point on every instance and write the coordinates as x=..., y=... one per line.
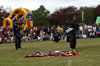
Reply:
x=89, y=53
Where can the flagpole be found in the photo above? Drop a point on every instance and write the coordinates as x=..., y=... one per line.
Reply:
x=82, y=16
x=82, y=22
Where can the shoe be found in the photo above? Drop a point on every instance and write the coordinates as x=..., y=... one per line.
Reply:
x=16, y=48
x=19, y=47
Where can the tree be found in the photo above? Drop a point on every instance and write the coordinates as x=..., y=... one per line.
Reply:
x=63, y=16
x=96, y=12
x=41, y=16
x=3, y=14
x=88, y=17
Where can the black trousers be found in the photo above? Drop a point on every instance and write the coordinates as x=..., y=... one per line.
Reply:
x=72, y=39
x=17, y=42
x=68, y=38
x=72, y=42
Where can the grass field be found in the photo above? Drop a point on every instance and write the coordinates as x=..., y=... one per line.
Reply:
x=89, y=54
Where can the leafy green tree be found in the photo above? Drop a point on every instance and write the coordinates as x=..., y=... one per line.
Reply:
x=96, y=12
x=88, y=16
x=3, y=14
x=41, y=17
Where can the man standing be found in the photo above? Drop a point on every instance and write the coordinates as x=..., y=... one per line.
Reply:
x=71, y=33
x=17, y=35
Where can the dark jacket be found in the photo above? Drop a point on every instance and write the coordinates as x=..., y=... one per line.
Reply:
x=16, y=30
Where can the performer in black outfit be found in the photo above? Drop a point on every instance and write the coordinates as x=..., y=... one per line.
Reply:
x=17, y=35
x=72, y=39
x=71, y=33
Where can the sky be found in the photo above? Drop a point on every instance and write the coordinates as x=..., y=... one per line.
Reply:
x=50, y=5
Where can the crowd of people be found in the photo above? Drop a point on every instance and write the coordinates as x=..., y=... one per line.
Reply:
x=33, y=34
x=43, y=33
x=93, y=31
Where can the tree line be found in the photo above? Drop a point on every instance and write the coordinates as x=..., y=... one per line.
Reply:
x=61, y=16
